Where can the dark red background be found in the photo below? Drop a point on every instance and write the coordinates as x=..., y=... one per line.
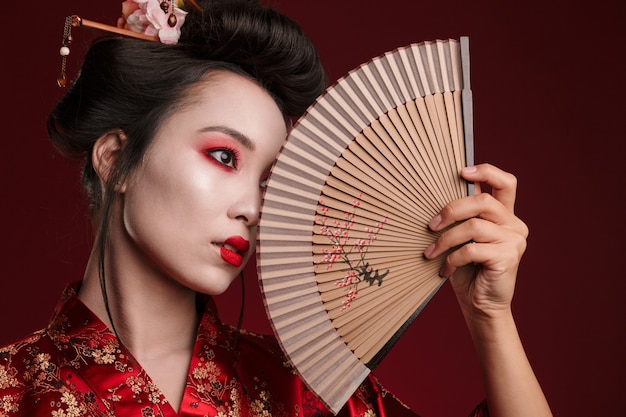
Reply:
x=548, y=81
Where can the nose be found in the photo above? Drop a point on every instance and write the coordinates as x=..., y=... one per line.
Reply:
x=246, y=205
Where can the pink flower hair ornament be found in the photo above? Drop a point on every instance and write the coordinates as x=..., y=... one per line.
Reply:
x=162, y=19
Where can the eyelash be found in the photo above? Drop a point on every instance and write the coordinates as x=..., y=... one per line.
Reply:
x=233, y=157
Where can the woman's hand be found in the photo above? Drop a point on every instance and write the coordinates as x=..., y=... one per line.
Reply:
x=483, y=275
x=486, y=241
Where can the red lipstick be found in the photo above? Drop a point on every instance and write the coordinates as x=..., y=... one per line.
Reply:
x=233, y=250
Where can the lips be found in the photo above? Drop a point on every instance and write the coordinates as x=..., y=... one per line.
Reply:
x=234, y=249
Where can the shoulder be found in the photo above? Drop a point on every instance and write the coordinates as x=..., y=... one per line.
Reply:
x=23, y=368
x=14, y=347
x=26, y=353
x=36, y=380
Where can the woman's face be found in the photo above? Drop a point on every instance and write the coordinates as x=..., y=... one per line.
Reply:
x=192, y=206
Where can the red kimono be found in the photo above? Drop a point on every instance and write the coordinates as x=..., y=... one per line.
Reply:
x=77, y=367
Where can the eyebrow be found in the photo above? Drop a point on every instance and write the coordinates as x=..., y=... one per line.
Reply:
x=235, y=134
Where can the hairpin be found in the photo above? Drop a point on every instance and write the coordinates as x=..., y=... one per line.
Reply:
x=76, y=21
x=153, y=20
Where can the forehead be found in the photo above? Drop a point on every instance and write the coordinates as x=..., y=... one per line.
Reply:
x=223, y=86
x=227, y=100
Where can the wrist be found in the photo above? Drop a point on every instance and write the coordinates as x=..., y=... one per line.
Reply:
x=490, y=325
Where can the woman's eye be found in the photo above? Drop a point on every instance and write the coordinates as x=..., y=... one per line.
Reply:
x=225, y=157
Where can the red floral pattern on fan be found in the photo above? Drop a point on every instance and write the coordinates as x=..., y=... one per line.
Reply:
x=343, y=245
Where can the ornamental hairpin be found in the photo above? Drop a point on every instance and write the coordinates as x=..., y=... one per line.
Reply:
x=153, y=20
x=76, y=21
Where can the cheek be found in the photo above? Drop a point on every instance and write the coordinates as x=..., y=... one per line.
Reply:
x=143, y=219
x=154, y=205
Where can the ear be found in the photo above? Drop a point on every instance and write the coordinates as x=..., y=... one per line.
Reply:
x=106, y=151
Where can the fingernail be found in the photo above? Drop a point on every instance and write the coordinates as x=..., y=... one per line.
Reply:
x=435, y=222
x=445, y=273
x=429, y=250
x=469, y=170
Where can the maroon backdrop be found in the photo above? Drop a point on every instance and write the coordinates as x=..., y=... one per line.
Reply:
x=548, y=81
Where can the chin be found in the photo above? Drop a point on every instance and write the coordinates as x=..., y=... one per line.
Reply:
x=215, y=286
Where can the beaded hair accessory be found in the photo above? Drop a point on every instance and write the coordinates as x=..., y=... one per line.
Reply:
x=153, y=20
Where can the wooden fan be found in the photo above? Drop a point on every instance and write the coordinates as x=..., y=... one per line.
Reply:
x=345, y=213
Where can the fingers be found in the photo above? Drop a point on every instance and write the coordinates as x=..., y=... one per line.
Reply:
x=497, y=258
x=503, y=184
x=496, y=207
x=482, y=205
x=486, y=220
x=478, y=241
x=472, y=230
x=479, y=231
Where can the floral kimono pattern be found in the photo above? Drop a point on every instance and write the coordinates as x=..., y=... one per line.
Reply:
x=77, y=367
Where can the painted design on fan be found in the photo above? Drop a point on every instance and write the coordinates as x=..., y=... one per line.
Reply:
x=360, y=271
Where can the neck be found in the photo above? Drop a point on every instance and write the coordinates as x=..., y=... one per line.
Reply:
x=152, y=315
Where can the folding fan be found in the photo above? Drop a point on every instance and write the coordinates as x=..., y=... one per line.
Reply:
x=344, y=219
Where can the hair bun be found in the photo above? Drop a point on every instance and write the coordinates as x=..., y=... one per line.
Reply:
x=265, y=43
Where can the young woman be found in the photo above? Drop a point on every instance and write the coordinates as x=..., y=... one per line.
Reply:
x=177, y=140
